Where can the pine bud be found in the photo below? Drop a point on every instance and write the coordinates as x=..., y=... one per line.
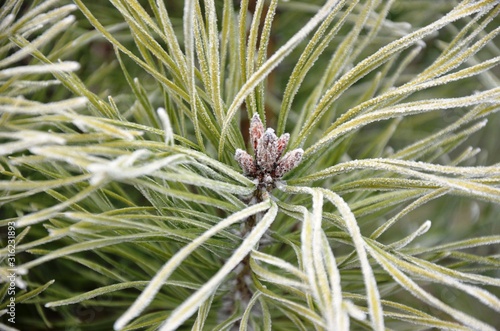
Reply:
x=288, y=162
x=256, y=131
x=282, y=143
x=245, y=161
x=267, y=151
x=268, y=165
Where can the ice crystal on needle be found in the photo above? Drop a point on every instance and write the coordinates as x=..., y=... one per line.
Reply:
x=268, y=165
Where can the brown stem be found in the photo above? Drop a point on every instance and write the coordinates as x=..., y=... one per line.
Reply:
x=242, y=291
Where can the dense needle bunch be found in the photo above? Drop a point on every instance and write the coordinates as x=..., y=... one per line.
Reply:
x=268, y=165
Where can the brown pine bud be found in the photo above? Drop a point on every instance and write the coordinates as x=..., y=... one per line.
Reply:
x=245, y=161
x=256, y=131
x=282, y=143
x=288, y=162
x=267, y=151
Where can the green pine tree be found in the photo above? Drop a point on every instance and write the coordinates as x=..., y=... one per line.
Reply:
x=249, y=165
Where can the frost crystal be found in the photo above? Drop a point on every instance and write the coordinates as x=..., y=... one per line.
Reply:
x=268, y=165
